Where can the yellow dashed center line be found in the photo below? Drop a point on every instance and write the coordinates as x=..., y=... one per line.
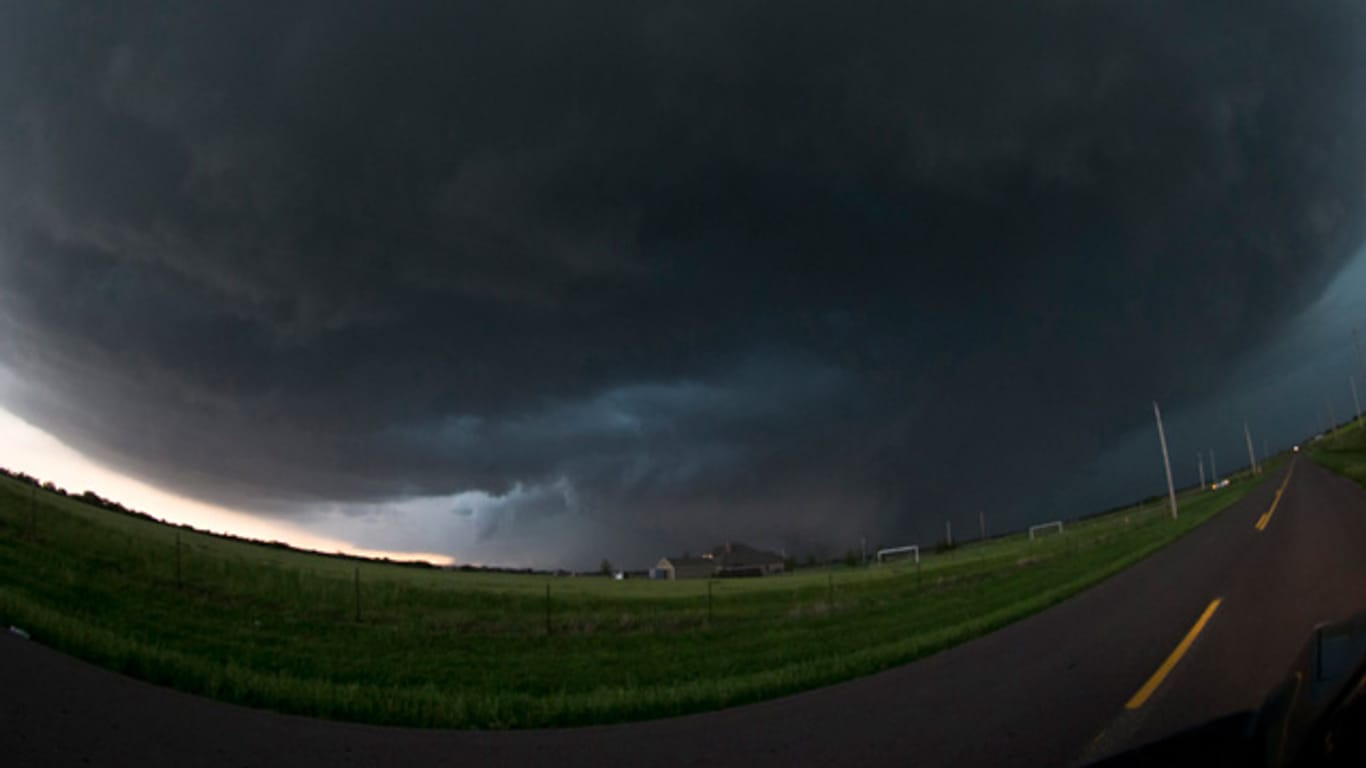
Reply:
x=1151, y=686
x=1265, y=519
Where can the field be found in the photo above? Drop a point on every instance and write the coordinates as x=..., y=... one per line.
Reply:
x=1344, y=451
x=382, y=643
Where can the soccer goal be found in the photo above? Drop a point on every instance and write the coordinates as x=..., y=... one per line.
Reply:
x=1033, y=529
x=913, y=550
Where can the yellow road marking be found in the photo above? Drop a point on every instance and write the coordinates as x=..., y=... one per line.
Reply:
x=1265, y=519
x=1150, y=687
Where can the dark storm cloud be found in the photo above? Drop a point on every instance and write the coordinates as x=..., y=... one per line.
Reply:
x=722, y=269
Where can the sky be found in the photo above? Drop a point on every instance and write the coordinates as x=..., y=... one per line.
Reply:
x=540, y=283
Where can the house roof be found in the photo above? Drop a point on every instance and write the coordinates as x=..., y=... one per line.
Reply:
x=730, y=548
x=729, y=555
x=746, y=559
x=736, y=555
x=687, y=561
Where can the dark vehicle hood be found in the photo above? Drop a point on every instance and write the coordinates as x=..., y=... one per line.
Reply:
x=1315, y=716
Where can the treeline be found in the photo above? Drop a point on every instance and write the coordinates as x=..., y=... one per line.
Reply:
x=96, y=500
x=88, y=497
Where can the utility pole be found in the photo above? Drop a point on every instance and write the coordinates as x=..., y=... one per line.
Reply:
x=1200, y=460
x=1166, y=462
x=1251, y=457
x=948, y=532
x=982, y=523
x=1356, y=342
x=1352, y=380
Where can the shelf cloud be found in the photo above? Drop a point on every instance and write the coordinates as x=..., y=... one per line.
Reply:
x=645, y=275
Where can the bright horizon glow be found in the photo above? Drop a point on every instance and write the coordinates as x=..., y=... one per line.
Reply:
x=28, y=449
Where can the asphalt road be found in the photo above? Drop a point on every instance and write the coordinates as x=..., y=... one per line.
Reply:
x=1049, y=690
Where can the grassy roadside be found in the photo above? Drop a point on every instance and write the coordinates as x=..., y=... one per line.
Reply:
x=1343, y=451
x=284, y=630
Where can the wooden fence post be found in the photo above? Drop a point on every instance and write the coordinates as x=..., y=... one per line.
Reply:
x=547, y=609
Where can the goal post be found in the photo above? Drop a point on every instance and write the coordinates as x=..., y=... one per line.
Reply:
x=1033, y=529
x=913, y=550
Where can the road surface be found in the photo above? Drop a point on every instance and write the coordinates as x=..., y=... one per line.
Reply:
x=1057, y=688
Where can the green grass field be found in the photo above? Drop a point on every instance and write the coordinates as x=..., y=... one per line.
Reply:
x=290, y=631
x=1344, y=451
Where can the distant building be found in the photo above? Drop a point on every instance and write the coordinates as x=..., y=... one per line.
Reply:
x=736, y=560
x=729, y=560
x=685, y=568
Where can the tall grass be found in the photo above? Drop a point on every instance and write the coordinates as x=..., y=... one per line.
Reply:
x=1344, y=450
x=284, y=630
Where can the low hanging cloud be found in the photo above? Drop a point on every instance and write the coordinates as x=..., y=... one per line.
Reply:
x=765, y=270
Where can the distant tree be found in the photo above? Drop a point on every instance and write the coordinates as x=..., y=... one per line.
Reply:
x=605, y=567
x=850, y=558
x=789, y=563
x=811, y=558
